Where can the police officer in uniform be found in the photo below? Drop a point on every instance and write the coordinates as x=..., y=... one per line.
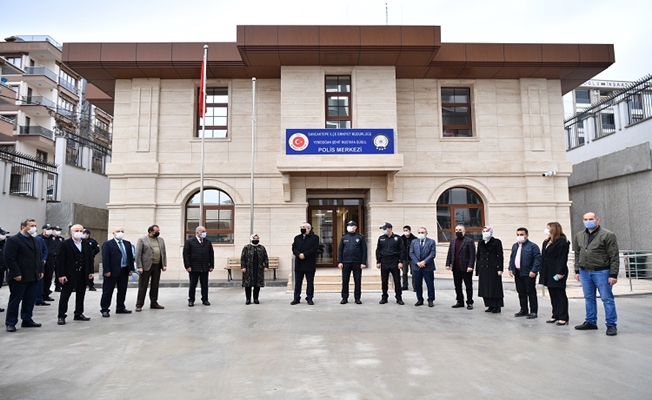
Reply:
x=56, y=232
x=351, y=258
x=390, y=255
x=96, y=249
x=52, y=244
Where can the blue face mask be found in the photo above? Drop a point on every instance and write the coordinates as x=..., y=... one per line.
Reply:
x=589, y=224
x=203, y=235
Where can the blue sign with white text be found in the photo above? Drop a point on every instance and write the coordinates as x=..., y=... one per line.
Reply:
x=339, y=141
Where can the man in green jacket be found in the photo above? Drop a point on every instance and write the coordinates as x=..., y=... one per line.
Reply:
x=596, y=267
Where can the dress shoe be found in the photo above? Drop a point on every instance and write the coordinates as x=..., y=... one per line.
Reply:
x=105, y=314
x=295, y=302
x=138, y=309
x=382, y=301
x=61, y=321
x=57, y=289
x=125, y=311
x=418, y=303
x=469, y=307
x=256, y=301
x=489, y=309
x=400, y=302
x=30, y=324
x=310, y=302
x=42, y=304
x=247, y=302
x=11, y=328
x=156, y=307
x=561, y=323
x=2, y=310
x=457, y=305
x=92, y=289
x=206, y=303
x=531, y=315
x=81, y=317
x=551, y=321
x=496, y=310
x=47, y=298
x=431, y=303
x=612, y=331
x=404, y=288
x=344, y=301
x=357, y=301
x=521, y=314
x=586, y=326
x=191, y=303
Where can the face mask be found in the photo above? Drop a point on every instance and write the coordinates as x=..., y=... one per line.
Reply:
x=303, y=231
x=421, y=236
x=546, y=232
x=78, y=235
x=349, y=229
x=486, y=235
x=156, y=234
x=589, y=224
x=120, y=235
x=520, y=239
x=203, y=235
x=32, y=231
x=459, y=235
x=3, y=237
x=406, y=234
x=48, y=232
x=255, y=242
x=56, y=233
x=384, y=231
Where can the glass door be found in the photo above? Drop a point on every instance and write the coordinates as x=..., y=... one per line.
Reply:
x=328, y=218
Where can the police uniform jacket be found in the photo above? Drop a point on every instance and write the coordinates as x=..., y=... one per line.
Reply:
x=390, y=251
x=352, y=249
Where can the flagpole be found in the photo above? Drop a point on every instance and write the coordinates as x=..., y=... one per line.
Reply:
x=253, y=146
x=202, y=92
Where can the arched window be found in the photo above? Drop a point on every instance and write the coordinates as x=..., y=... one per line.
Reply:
x=218, y=216
x=460, y=206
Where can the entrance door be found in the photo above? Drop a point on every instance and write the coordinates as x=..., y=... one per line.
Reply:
x=328, y=218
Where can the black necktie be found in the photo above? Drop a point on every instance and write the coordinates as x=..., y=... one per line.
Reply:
x=422, y=242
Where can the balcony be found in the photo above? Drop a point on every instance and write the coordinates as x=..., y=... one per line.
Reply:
x=36, y=130
x=40, y=76
x=69, y=87
x=66, y=113
x=7, y=94
x=6, y=128
x=101, y=133
x=37, y=105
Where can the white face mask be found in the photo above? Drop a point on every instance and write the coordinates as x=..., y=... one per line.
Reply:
x=3, y=237
x=421, y=236
x=384, y=231
x=349, y=229
x=486, y=235
x=32, y=231
x=119, y=235
x=48, y=232
x=520, y=239
x=407, y=234
x=78, y=235
x=546, y=232
x=56, y=233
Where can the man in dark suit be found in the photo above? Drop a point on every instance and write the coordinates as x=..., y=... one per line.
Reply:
x=304, y=248
x=199, y=261
x=461, y=259
x=151, y=259
x=422, y=257
x=74, y=266
x=3, y=240
x=24, y=269
x=118, y=265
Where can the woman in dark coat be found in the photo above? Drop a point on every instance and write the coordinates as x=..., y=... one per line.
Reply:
x=554, y=272
x=254, y=263
x=489, y=269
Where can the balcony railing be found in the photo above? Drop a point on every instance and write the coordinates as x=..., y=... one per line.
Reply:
x=38, y=101
x=41, y=71
x=101, y=132
x=66, y=113
x=70, y=87
x=9, y=120
x=37, y=130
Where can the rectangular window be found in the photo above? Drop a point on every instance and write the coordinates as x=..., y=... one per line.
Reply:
x=42, y=156
x=22, y=180
x=582, y=96
x=17, y=61
x=65, y=107
x=217, y=114
x=338, y=102
x=73, y=153
x=456, y=112
x=98, y=162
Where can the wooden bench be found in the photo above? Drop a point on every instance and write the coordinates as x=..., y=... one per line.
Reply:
x=234, y=264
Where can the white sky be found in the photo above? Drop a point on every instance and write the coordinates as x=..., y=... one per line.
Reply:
x=622, y=23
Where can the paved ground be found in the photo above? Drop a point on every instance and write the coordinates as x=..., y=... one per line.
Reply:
x=327, y=351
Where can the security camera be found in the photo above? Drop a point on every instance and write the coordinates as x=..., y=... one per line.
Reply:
x=549, y=173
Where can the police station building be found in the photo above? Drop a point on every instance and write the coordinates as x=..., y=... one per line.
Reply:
x=364, y=123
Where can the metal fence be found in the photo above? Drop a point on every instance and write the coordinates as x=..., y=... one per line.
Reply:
x=638, y=265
